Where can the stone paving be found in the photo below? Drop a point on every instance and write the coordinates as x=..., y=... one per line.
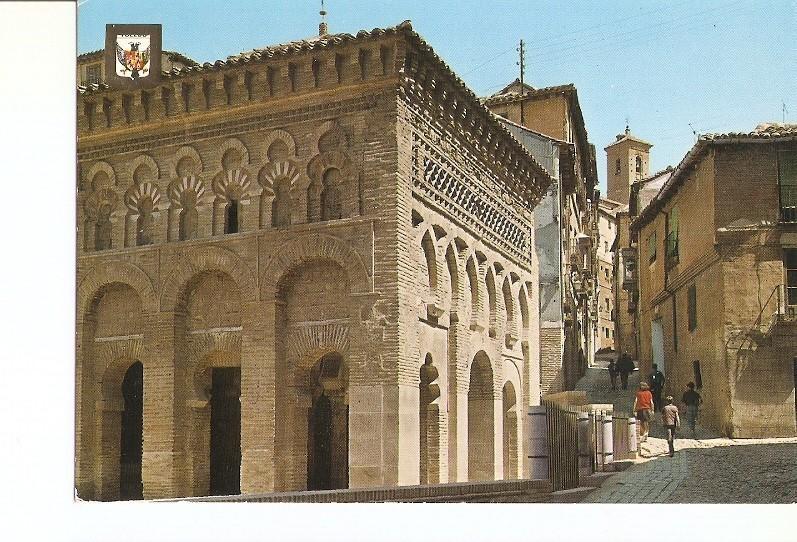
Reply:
x=707, y=468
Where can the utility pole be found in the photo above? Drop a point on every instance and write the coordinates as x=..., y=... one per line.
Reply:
x=522, y=64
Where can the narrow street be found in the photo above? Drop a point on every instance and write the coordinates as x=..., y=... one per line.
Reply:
x=707, y=468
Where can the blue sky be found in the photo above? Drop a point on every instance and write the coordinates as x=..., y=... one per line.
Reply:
x=719, y=65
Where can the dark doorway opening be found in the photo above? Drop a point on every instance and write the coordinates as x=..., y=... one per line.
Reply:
x=130, y=485
x=231, y=224
x=225, y=432
x=319, y=460
x=328, y=429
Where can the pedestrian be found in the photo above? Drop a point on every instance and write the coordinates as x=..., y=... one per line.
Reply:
x=624, y=367
x=656, y=387
x=613, y=373
x=643, y=409
x=692, y=401
x=670, y=420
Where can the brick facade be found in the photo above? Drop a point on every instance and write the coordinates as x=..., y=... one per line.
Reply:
x=345, y=224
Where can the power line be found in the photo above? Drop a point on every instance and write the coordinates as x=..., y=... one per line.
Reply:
x=602, y=35
x=580, y=31
x=502, y=53
x=615, y=45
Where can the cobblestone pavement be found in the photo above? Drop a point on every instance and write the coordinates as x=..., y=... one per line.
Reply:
x=707, y=468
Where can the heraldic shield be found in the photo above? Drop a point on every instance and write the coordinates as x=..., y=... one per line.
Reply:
x=133, y=56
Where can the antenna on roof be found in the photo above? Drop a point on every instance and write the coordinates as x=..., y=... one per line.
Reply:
x=322, y=27
x=627, y=128
x=697, y=136
x=785, y=112
x=522, y=65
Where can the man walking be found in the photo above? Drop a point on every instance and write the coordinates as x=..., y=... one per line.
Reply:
x=656, y=386
x=670, y=420
x=624, y=367
x=692, y=401
x=613, y=373
x=643, y=406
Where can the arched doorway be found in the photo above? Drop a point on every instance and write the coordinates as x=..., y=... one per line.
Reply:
x=208, y=322
x=225, y=431
x=328, y=426
x=130, y=447
x=510, y=432
x=481, y=424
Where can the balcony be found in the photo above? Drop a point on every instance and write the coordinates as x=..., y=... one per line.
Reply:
x=629, y=268
x=671, y=249
x=788, y=203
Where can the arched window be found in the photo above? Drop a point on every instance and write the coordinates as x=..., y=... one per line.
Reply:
x=431, y=261
x=491, y=302
x=508, y=305
x=473, y=283
x=231, y=217
x=617, y=167
x=331, y=204
x=639, y=166
x=281, y=206
x=145, y=223
x=103, y=228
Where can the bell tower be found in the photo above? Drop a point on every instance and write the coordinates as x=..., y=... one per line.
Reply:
x=627, y=161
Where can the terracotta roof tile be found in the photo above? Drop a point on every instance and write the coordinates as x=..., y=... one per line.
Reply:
x=761, y=134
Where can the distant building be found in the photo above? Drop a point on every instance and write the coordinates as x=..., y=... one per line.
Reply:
x=605, y=283
x=717, y=279
x=627, y=161
x=566, y=224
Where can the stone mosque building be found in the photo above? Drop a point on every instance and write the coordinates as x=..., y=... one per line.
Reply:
x=310, y=266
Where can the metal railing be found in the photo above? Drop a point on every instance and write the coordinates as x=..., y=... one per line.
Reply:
x=563, y=447
x=788, y=203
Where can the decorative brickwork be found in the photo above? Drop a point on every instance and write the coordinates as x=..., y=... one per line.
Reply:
x=289, y=242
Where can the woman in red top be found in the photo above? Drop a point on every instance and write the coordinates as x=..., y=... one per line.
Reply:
x=643, y=407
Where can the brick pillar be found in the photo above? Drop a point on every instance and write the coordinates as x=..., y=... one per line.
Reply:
x=498, y=435
x=161, y=453
x=258, y=392
x=84, y=413
x=108, y=421
x=457, y=402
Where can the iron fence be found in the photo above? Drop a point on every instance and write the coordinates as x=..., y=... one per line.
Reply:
x=563, y=447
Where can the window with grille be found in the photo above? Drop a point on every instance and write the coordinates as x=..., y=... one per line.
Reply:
x=790, y=264
x=787, y=178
